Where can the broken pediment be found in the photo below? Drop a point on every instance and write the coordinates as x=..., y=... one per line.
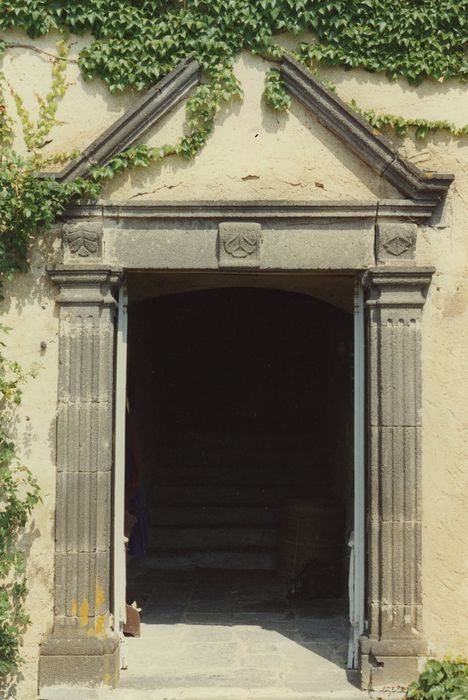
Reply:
x=321, y=149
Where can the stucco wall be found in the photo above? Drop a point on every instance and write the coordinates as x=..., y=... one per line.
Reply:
x=29, y=311
x=254, y=154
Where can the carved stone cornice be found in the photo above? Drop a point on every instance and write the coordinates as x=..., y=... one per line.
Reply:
x=360, y=137
x=386, y=209
x=397, y=286
x=85, y=285
x=157, y=101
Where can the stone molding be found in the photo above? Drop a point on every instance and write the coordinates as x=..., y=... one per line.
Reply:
x=85, y=285
x=325, y=210
x=155, y=103
x=389, y=652
x=82, y=646
x=360, y=137
x=329, y=109
x=395, y=287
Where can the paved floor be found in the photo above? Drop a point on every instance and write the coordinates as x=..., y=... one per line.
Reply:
x=230, y=635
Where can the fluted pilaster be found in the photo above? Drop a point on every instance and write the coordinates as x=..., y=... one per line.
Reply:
x=394, y=640
x=81, y=644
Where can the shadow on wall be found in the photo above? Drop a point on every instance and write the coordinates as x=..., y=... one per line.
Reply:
x=33, y=288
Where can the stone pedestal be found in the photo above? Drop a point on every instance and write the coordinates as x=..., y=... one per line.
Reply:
x=82, y=650
x=389, y=652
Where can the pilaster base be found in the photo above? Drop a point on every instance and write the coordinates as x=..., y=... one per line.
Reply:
x=69, y=660
x=389, y=664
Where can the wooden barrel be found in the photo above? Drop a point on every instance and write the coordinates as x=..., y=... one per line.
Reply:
x=311, y=530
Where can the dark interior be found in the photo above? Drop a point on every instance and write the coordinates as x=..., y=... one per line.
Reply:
x=239, y=399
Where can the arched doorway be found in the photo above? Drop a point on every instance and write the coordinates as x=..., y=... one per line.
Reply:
x=240, y=402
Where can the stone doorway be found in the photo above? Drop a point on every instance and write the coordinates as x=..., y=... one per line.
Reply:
x=240, y=400
x=285, y=239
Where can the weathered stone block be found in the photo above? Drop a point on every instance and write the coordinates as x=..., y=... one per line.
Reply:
x=239, y=244
x=82, y=241
x=396, y=241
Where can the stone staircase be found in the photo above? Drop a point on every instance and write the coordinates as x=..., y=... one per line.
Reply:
x=219, y=526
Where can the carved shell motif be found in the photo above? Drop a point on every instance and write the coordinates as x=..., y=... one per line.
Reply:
x=241, y=245
x=82, y=239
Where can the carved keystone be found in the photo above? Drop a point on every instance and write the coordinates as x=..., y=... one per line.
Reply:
x=396, y=242
x=82, y=240
x=239, y=244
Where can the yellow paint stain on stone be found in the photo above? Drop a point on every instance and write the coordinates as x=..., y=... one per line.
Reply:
x=74, y=608
x=100, y=597
x=91, y=632
x=100, y=624
x=84, y=613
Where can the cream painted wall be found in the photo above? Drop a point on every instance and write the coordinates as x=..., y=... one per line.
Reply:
x=256, y=154
x=29, y=311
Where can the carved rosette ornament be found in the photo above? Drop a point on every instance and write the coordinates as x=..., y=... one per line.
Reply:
x=82, y=240
x=239, y=244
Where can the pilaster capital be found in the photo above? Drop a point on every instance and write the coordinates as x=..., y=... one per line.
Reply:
x=400, y=287
x=84, y=284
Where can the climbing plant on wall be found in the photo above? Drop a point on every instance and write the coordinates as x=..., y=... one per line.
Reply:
x=19, y=493
x=135, y=43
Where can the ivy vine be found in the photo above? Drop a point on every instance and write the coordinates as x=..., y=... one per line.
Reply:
x=138, y=41
x=19, y=493
x=401, y=126
x=135, y=43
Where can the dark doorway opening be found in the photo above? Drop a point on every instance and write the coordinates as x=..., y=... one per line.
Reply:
x=240, y=406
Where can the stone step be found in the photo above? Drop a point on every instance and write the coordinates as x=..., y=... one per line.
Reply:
x=236, y=693
x=183, y=692
x=252, y=558
x=216, y=538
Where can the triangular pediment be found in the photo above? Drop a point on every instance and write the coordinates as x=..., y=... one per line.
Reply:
x=364, y=142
